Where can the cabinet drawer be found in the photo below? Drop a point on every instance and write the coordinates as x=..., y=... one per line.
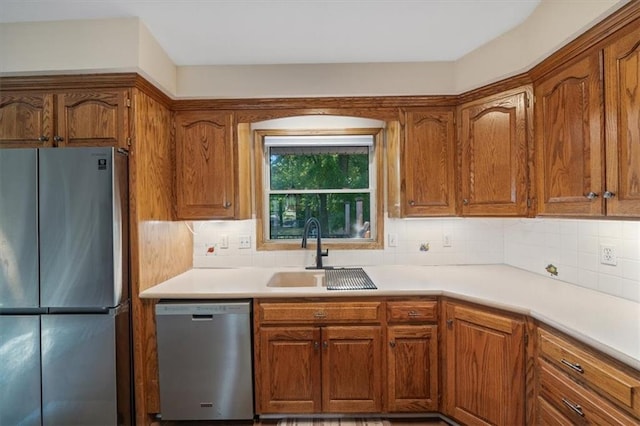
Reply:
x=576, y=403
x=548, y=415
x=320, y=312
x=584, y=367
x=412, y=311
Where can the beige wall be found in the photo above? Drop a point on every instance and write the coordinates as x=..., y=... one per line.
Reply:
x=69, y=46
x=154, y=63
x=552, y=24
x=117, y=45
x=315, y=80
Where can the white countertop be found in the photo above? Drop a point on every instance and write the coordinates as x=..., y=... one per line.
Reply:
x=609, y=324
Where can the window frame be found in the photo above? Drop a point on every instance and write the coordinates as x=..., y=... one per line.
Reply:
x=261, y=163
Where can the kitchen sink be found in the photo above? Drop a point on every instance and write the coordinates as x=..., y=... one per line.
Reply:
x=297, y=279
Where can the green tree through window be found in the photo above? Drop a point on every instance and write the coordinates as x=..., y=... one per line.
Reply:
x=327, y=178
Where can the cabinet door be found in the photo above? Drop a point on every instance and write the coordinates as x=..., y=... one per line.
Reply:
x=26, y=120
x=484, y=368
x=622, y=72
x=569, y=143
x=412, y=359
x=290, y=370
x=351, y=369
x=92, y=118
x=204, y=165
x=494, y=157
x=428, y=160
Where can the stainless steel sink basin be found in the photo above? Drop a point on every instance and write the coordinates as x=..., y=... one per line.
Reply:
x=297, y=279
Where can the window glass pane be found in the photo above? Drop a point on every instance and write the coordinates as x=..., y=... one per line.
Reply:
x=330, y=170
x=341, y=215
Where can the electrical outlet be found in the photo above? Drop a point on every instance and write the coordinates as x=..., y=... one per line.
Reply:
x=245, y=241
x=608, y=255
x=446, y=240
x=393, y=240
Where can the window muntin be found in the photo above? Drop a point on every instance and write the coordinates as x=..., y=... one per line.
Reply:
x=330, y=177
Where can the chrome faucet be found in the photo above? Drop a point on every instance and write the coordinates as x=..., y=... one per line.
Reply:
x=319, y=253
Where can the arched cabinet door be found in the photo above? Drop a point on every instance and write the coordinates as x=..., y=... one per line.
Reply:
x=92, y=118
x=622, y=83
x=569, y=145
x=428, y=162
x=205, y=176
x=494, y=155
x=26, y=120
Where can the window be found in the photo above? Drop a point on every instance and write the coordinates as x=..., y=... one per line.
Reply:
x=332, y=177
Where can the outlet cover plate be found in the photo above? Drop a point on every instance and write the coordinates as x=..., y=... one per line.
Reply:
x=608, y=255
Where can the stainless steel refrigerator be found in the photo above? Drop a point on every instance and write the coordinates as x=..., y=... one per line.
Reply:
x=65, y=339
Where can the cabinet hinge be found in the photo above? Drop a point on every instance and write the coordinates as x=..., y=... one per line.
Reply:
x=128, y=141
x=528, y=202
x=128, y=102
x=526, y=101
x=526, y=339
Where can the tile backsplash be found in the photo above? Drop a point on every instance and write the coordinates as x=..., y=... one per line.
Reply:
x=572, y=246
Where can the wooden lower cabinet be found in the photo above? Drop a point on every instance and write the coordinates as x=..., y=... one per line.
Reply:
x=290, y=369
x=484, y=375
x=332, y=369
x=351, y=369
x=577, y=385
x=412, y=368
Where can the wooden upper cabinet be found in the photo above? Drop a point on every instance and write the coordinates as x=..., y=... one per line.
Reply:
x=204, y=165
x=622, y=87
x=79, y=118
x=92, y=118
x=484, y=373
x=569, y=140
x=494, y=154
x=428, y=161
x=26, y=120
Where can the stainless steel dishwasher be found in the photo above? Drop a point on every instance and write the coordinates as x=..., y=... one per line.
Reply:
x=204, y=355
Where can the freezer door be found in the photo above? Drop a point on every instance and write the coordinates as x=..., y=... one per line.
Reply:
x=79, y=370
x=81, y=232
x=20, y=370
x=18, y=229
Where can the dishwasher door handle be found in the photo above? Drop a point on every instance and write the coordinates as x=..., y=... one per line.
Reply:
x=201, y=317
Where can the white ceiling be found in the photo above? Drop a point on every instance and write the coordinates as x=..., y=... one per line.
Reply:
x=233, y=32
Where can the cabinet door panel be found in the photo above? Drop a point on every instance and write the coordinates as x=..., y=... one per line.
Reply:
x=290, y=369
x=26, y=120
x=204, y=165
x=428, y=159
x=351, y=369
x=484, y=367
x=494, y=157
x=92, y=119
x=622, y=71
x=412, y=356
x=569, y=143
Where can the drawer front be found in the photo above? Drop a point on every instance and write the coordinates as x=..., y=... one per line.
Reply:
x=412, y=311
x=549, y=416
x=576, y=403
x=612, y=382
x=320, y=312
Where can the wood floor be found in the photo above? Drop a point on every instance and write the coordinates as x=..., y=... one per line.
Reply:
x=386, y=422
